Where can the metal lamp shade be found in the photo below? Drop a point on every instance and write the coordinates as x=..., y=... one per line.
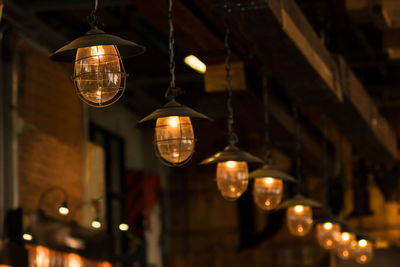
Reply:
x=269, y=171
x=173, y=108
x=231, y=153
x=300, y=200
x=96, y=37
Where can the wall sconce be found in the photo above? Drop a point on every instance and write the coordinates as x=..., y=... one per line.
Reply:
x=63, y=209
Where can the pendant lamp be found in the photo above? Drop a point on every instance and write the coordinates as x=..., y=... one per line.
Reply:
x=268, y=181
x=299, y=208
x=174, y=136
x=99, y=74
x=328, y=227
x=232, y=168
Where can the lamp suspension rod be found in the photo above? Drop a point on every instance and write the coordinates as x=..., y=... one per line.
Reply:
x=266, y=120
x=233, y=139
x=297, y=142
x=93, y=19
x=325, y=161
x=172, y=91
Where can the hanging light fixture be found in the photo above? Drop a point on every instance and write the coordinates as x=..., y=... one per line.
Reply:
x=346, y=246
x=327, y=228
x=232, y=169
x=299, y=215
x=99, y=74
x=364, y=252
x=174, y=137
x=268, y=181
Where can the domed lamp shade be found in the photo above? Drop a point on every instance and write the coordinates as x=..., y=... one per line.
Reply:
x=347, y=245
x=328, y=234
x=364, y=251
x=268, y=186
x=299, y=215
x=99, y=74
x=174, y=139
x=232, y=171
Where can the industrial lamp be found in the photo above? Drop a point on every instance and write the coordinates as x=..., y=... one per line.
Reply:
x=346, y=246
x=328, y=233
x=99, y=74
x=364, y=251
x=299, y=214
x=268, y=181
x=232, y=169
x=174, y=138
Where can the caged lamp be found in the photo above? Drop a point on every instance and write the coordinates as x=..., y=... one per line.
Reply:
x=99, y=74
x=347, y=244
x=364, y=251
x=232, y=168
x=268, y=181
x=299, y=214
x=174, y=138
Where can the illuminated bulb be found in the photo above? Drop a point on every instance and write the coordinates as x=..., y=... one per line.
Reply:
x=195, y=63
x=364, y=251
x=96, y=224
x=63, y=210
x=174, y=139
x=27, y=237
x=232, y=178
x=346, y=245
x=267, y=192
x=124, y=227
x=98, y=74
x=299, y=220
x=328, y=235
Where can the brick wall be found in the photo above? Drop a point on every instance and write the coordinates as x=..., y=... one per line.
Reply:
x=51, y=134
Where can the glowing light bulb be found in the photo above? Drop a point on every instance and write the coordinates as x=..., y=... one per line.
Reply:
x=299, y=220
x=124, y=227
x=232, y=178
x=174, y=139
x=96, y=224
x=346, y=245
x=98, y=75
x=27, y=237
x=63, y=210
x=328, y=235
x=364, y=251
x=195, y=63
x=267, y=192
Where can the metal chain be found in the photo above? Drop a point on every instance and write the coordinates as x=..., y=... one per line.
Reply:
x=324, y=160
x=233, y=139
x=297, y=142
x=267, y=157
x=172, y=91
x=93, y=18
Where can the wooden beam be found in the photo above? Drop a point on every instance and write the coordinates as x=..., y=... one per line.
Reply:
x=391, y=43
x=216, y=75
x=282, y=39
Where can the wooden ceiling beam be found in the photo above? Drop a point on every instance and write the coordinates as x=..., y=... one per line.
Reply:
x=282, y=39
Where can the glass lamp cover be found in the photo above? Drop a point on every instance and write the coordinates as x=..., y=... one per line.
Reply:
x=267, y=192
x=232, y=178
x=364, y=251
x=346, y=246
x=328, y=235
x=98, y=73
x=299, y=220
x=174, y=139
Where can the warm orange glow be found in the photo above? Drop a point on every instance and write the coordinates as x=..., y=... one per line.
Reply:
x=195, y=63
x=74, y=260
x=362, y=243
x=299, y=220
x=98, y=74
x=174, y=139
x=364, y=251
x=267, y=192
x=232, y=178
x=328, y=235
x=299, y=209
x=347, y=245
